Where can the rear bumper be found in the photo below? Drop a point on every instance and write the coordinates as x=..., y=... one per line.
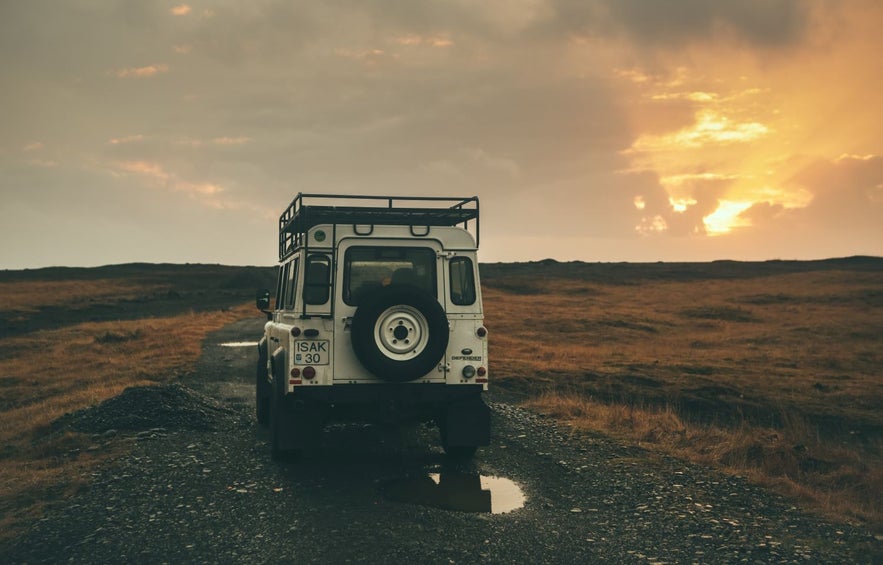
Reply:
x=405, y=393
x=386, y=402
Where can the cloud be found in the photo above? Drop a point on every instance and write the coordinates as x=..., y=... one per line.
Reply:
x=180, y=10
x=651, y=225
x=414, y=40
x=142, y=72
x=227, y=140
x=161, y=177
x=34, y=146
x=761, y=23
x=847, y=192
x=628, y=123
x=368, y=56
x=126, y=139
x=710, y=128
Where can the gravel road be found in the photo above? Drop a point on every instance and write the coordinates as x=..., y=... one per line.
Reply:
x=209, y=492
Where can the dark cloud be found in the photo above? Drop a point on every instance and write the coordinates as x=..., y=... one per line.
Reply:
x=847, y=193
x=763, y=23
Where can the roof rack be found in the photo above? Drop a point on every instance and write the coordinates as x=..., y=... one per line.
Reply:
x=302, y=215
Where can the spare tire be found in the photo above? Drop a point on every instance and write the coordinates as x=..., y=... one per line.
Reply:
x=399, y=333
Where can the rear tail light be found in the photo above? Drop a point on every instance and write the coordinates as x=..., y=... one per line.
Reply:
x=295, y=377
x=309, y=372
x=468, y=371
x=295, y=331
x=481, y=331
x=482, y=375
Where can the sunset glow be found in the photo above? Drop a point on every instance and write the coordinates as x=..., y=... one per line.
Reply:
x=607, y=130
x=726, y=217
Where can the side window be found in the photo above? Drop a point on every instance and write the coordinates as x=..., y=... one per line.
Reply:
x=462, y=281
x=291, y=286
x=281, y=285
x=316, y=279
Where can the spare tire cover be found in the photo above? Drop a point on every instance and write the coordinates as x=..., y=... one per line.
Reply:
x=399, y=333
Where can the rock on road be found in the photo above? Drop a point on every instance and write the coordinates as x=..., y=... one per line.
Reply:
x=213, y=495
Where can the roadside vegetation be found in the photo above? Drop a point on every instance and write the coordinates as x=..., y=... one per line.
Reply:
x=776, y=377
x=46, y=373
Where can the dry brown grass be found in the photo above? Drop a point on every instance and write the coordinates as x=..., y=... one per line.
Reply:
x=841, y=481
x=30, y=295
x=777, y=378
x=46, y=374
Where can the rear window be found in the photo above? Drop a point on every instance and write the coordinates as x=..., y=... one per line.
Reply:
x=369, y=268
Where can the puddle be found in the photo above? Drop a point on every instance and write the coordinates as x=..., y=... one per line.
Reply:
x=458, y=491
x=239, y=344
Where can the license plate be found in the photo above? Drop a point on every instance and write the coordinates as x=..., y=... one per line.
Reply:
x=311, y=353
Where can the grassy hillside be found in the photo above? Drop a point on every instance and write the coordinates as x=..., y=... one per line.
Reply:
x=771, y=369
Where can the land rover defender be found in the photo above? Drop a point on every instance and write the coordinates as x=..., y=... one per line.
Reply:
x=377, y=317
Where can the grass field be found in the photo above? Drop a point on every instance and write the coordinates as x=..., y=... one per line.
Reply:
x=769, y=370
x=151, y=321
x=766, y=372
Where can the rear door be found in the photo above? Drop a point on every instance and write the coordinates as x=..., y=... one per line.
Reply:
x=366, y=265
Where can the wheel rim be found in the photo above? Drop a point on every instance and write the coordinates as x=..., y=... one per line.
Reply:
x=401, y=332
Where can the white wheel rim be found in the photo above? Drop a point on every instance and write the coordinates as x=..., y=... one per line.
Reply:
x=401, y=332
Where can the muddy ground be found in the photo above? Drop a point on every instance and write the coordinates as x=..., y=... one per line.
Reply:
x=201, y=487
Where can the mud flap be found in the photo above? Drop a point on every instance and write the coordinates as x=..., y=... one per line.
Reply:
x=467, y=423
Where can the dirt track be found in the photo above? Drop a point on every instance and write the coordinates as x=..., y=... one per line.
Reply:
x=211, y=493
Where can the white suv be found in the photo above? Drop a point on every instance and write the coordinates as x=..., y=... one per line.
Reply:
x=378, y=317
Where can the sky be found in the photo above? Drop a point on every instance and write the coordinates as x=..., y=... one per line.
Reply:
x=593, y=130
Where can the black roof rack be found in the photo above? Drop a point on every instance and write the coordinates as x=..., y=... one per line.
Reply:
x=301, y=214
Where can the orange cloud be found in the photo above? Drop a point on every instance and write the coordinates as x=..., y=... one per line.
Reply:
x=181, y=10
x=145, y=168
x=158, y=174
x=416, y=40
x=650, y=225
x=231, y=140
x=727, y=217
x=143, y=72
x=369, y=57
x=710, y=127
x=126, y=139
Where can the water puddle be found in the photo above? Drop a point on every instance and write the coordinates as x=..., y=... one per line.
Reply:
x=239, y=344
x=458, y=491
